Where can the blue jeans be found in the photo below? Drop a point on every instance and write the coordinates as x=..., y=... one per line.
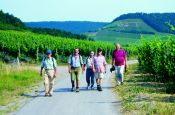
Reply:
x=89, y=77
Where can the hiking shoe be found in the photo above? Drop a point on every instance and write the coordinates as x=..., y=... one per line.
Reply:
x=92, y=87
x=46, y=94
x=77, y=90
x=100, y=89
x=73, y=89
x=88, y=87
x=98, y=86
x=122, y=83
x=50, y=95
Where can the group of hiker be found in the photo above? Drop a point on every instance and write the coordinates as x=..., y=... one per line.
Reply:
x=95, y=68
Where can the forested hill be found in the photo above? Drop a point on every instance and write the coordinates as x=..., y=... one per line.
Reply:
x=162, y=22
x=10, y=22
x=76, y=27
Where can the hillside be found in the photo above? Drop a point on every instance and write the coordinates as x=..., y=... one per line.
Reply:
x=76, y=27
x=123, y=31
x=10, y=22
x=130, y=28
x=158, y=21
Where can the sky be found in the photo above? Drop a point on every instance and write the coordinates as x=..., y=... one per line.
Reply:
x=81, y=10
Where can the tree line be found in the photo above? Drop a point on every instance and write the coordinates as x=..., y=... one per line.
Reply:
x=10, y=22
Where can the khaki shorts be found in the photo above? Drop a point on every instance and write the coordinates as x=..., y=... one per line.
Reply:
x=99, y=75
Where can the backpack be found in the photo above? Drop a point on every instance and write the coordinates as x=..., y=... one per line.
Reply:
x=79, y=59
x=52, y=60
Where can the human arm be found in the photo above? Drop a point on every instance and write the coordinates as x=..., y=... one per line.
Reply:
x=104, y=63
x=82, y=64
x=42, y=67
x=126, y=63
x=105, y=67
x=113, y=59
x=69, y=68
x=93, y=67
x=55, y=67
x=41, y=71
x=69, y=64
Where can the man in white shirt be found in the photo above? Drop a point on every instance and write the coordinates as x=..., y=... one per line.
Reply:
x=75, y=63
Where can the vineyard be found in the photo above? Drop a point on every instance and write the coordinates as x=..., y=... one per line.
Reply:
x=34, y=45
x=158, y=57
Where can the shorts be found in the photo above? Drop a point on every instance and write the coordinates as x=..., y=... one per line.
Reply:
x=75, y=74
x=99, y=75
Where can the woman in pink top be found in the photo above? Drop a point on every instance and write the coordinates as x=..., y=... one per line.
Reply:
x=99, y=68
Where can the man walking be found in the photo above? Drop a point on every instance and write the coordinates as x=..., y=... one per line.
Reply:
x=50, y=65
x=99, y=68
x=89, y=71
x=75, y=63
x=120, y=59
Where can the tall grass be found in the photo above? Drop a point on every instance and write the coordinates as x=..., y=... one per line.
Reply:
x=143, y=95
x=14, y=81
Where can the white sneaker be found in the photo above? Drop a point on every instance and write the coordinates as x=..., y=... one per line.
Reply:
x=88, y=87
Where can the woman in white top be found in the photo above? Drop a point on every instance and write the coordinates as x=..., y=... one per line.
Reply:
x=89, y=71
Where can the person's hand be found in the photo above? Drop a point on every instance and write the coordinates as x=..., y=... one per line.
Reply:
x=94, y=70
x=126, y=68
x=54, y=76
x=41, y=74
x=70, y=71
x=83, y=71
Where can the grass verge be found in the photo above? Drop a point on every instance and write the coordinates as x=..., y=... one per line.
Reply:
x=141, y=95
x=14, y=81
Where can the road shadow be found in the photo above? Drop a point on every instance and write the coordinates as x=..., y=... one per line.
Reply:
x=69, y=89
x=33, y=94
x=62, y=90
x=106, y=87
x=106, y=102
x=81, y=89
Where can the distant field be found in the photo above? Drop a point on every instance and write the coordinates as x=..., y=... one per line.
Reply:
x=127, y=31
x=111, y=36
x=127, y=38
x=130, y=25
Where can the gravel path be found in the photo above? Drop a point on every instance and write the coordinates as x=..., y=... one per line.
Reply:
x=64, y=102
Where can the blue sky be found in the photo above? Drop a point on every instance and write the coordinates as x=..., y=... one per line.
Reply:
x=81, y=10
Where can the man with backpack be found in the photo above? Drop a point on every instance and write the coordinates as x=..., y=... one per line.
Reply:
x=49, y=64
x=75, y=63
x=99, y=68
x=89, y=71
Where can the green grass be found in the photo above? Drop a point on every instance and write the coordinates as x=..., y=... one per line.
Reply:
x=111, y=36
x=14, y=82
x=127, y=38
x=122, y=32
x=162, y=36
x=142, y=95
x=129, y=25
